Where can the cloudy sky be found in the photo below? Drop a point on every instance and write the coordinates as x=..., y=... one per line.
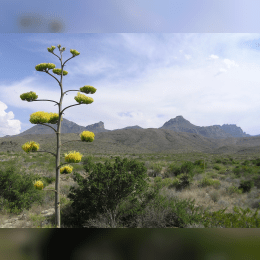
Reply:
x=142, y=79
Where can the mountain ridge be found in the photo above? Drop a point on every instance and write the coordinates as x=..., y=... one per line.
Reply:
x=177, y=124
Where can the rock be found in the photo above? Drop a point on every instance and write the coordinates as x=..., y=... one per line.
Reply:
x=233, y=130
x=97, y=127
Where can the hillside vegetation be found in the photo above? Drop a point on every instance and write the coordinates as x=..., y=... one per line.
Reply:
x=190, y=193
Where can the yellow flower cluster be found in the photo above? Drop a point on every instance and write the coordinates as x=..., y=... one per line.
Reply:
x=38, y=185
x=87, y=136
x=88, y=89
x=44, y=117
x=66, y=169
x=80, y=98
x=73, y=52
x=58, y=72
x=29, y=96
x=44, y=66
x=73, y=157
x=30, y=146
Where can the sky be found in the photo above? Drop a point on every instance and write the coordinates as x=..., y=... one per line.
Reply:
x=142, y=79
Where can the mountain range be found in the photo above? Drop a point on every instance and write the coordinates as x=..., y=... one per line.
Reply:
x=177, y=135
x=177, y=124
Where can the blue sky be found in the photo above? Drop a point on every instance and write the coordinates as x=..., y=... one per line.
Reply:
x=142, y=79
x=118, y=16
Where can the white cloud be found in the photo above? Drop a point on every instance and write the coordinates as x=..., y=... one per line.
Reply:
x=214, y=57
x=230, y=63
x=8, y=126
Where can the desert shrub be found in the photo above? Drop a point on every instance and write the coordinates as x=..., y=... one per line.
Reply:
x=200, y=163
x=229, y=220
x=47, y=180
x=235, y=162
x=246, y=163
x=187, y=167
x=172, y=170
x=160, y=183
x=233, y=189
x=225, y=161
x=256, y=180
x=198, y=170
x=216, y=167
x=208, y=182
x=247, y=169
x=88, y=161
x=157, y=167
x=256, y=162
x=237, y=171
x=174, y=212
x=131, y=209
x=184, y=181
x=18, y=190
x=105, y=188
x=246, y=186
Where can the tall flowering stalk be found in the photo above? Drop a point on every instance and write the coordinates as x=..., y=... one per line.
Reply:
x=54, y=118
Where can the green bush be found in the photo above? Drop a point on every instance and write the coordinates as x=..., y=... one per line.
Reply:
x=247, y=169
x=106, y=188
x=235, y=162
x=246, y=163
x=172, y=170
x=157, y=167
x=206, y=182
x=47, y=180
x=160, y=183
x=225, y=161
x=237, y=171
x=229, y=220
x=234, y=189
x=175, y=212
x=184, y=181
x=256, y=180
x=216, y=167
x=187, y=167
x=256, y=162
x=200, y=163
x=18, y=190
x=246, y=186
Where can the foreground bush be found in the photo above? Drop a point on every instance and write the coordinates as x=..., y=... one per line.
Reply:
x=106, y=188
x=17, y=191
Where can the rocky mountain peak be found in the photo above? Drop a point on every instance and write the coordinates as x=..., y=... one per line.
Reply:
x=233, y=129
x=96, y=126
x=178, y=121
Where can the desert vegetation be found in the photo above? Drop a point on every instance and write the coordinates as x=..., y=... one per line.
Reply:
x=183, y=190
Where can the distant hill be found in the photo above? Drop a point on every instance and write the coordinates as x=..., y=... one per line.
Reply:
x=177, y=124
